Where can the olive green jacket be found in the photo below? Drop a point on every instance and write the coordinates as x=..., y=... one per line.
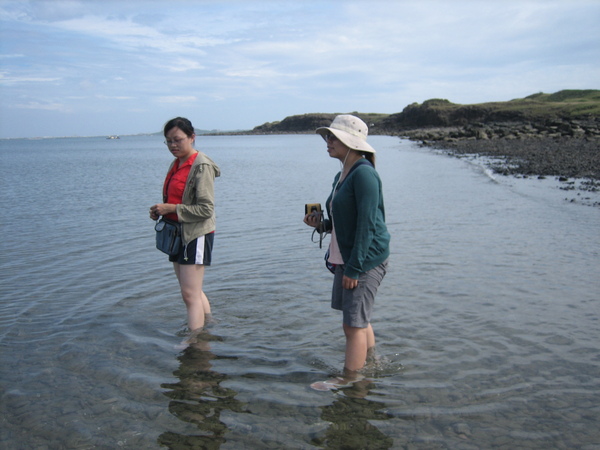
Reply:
x=196, y=213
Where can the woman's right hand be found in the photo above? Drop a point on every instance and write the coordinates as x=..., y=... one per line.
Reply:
x=313, y=219
x=162, y=209
x=154, y=214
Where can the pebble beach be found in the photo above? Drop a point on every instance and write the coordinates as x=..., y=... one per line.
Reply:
x=563, y=157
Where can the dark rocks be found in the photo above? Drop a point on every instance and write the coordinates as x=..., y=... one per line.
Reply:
x=588, y=128
x=556, y=147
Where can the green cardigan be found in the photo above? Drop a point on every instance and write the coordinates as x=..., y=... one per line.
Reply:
x=359, y=218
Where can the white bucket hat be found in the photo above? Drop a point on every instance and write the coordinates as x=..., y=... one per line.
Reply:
x=351, y=131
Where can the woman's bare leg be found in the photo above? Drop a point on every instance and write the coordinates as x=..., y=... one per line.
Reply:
x=358, y=343
x=191, y=278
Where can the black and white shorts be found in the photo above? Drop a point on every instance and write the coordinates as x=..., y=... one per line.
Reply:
x=198, y=251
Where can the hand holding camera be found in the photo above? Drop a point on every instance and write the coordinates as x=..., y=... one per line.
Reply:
x=314, y=218
x=313, y=215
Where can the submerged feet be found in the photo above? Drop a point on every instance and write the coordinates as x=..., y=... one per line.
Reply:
x=335, y=383
x=345, y=381
x=193, y=336
x=349, y=377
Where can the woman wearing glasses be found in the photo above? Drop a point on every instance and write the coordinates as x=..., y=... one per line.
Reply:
x=359, y=246
x=188, y=198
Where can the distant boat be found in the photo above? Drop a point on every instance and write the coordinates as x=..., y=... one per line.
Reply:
x=113, y=137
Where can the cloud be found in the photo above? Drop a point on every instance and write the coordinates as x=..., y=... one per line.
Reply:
x=284, y=57
x=7, y=79
x=44, y=106
x=130, y=36
x=182, y=65
x=177, y=99
x=113, y=97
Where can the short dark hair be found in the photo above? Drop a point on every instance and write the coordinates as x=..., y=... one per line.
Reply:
x=182, y=123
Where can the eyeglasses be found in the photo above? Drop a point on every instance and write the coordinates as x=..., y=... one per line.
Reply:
x=170, y=142
x=330, y=137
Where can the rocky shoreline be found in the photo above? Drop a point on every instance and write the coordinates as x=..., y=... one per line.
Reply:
x=558, y=147
x=541, y=135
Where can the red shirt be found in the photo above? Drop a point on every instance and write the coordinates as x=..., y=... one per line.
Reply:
x=175, y=183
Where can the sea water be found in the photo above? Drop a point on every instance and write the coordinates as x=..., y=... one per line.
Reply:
x=486, y=323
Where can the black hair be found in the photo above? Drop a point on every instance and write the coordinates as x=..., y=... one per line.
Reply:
x=182, y=123
x=369, y=157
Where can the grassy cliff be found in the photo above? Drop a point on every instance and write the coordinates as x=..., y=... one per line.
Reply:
x=565, y=105
x=308, y=123
x=536, y=108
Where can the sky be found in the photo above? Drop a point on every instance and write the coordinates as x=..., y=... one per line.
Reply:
x=104, y=67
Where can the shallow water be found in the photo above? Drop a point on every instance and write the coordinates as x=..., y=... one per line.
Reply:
x=487, y=322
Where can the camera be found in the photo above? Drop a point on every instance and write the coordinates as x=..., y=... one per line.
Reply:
x=315, y=210
x=310, y=208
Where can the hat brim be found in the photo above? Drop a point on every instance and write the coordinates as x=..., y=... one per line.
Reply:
x=349, y=140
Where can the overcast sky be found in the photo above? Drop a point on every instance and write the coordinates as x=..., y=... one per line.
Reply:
x=100, y=67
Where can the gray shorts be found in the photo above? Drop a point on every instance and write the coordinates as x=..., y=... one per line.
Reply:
x=357, y=304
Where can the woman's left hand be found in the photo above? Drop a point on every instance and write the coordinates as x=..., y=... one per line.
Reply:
x=162, y=209
x=349, y=283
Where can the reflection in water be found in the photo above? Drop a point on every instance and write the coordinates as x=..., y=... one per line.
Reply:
x=198, y=398
x=350, y=415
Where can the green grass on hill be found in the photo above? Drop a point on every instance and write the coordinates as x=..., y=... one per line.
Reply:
x=566, y=104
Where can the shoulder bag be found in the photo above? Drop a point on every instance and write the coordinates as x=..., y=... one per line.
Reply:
x=168, y=236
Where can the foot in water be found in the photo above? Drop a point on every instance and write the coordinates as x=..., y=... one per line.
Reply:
x=191, y=338
x=335, y=383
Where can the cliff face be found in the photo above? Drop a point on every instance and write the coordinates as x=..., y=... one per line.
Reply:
x=563, y=114
x=308, y=123
x=296, y=124
x=442, y=113
x=538, y=110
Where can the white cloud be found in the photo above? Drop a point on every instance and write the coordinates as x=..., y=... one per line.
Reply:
x=177, y=99
x=8, y=79
x=279, y=56
x=114, y=97
x=182, y=65
x=44, y=106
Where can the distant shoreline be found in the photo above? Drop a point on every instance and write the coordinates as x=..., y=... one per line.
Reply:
x=533, y=155
x=530, y=156
x=539, y=135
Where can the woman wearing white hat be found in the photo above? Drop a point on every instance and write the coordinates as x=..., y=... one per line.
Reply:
x=359, y=246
